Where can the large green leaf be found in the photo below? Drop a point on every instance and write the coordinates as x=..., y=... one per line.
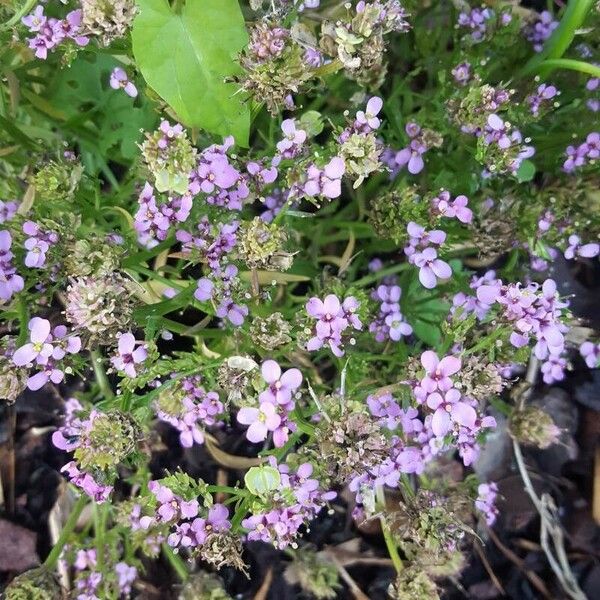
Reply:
x=187, y=56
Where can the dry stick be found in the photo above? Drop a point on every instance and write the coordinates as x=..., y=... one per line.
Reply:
x=534, y=578
x=551, y=533
x=354, y=589
x=10, y=470
x=488, y=568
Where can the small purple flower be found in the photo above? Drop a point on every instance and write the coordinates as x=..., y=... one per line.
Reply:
x=449, y=409
x=431, y=267
x=281, y=387
x=369, y=117
x=260, y=420
x=576, y=248
x=129, y=356
x=438, y=372
x=325, y=182
x=235, y=313
x=591, y=354
x=216, y=522
x=38, y=349
x=120, y=81
x=205, y=289
x=485, y=502
x=293, y=140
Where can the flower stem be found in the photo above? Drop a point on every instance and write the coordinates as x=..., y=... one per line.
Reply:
x=100, y=514
x=176, y=562
x=573, y=65
x=561, y=38
x=387, y=534
x=19, y=14
x=100, y=374
x=56, y=551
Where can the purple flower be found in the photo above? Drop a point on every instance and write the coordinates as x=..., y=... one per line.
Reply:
x=120, y=81
x=260, y=420
x=452, y=209
x=449, y=409
x=36, y=20
x=205, y=289
x=369, y=117
x=437, y=372
x=576, y=248
x=293, y=140
x=36, y=252
x=544, y=93
x=38, y=349
x=129, y=356
x=325, y=182
x=235, y=313
x=215, y=522
x=485, y=502
x=126, y=575
x=591, y=353
x=281, y=387
x=10, y=282
x=431, y=267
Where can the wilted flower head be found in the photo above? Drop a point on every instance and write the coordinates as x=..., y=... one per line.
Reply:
x=270, y=332
x=531, y=425
x=108, y=19
x=100, y=306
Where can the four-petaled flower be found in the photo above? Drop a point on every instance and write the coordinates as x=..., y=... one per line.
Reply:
x=129, y=356
x=260, y=420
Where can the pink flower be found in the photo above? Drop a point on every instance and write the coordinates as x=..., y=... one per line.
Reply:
x=438, y=371
x=281, y=386
x=261, y=420
x=129, y=356
x=119, y=80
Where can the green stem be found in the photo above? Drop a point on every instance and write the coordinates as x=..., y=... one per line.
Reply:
x=100, y=374
x=19, y=14
x=176, y=562
x=56, y=551
x=573, y=65
x=561, y=38
x=387, y=534
x=380, y=274
x=100, y=514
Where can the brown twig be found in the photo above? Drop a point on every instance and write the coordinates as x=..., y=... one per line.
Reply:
x=488, y=567
x=265, y=586
x=352, y=585
x=534, y=578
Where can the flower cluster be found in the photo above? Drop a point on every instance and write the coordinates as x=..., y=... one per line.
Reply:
x=421, y=254
x=585, y=153
x=476, y=21
x=389, y=323
x=540, y=29
x=50, y=32
x=189, y=409
x=10, y=281
x=153, y=220
x=333, y=318
x=298, y=500
x=486, y=502
x=534, y=313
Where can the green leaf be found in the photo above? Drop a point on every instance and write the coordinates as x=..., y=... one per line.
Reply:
x=84, y=96
x=262, y=480
x=186, y=57
x=427, y=332
x=526, y=171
